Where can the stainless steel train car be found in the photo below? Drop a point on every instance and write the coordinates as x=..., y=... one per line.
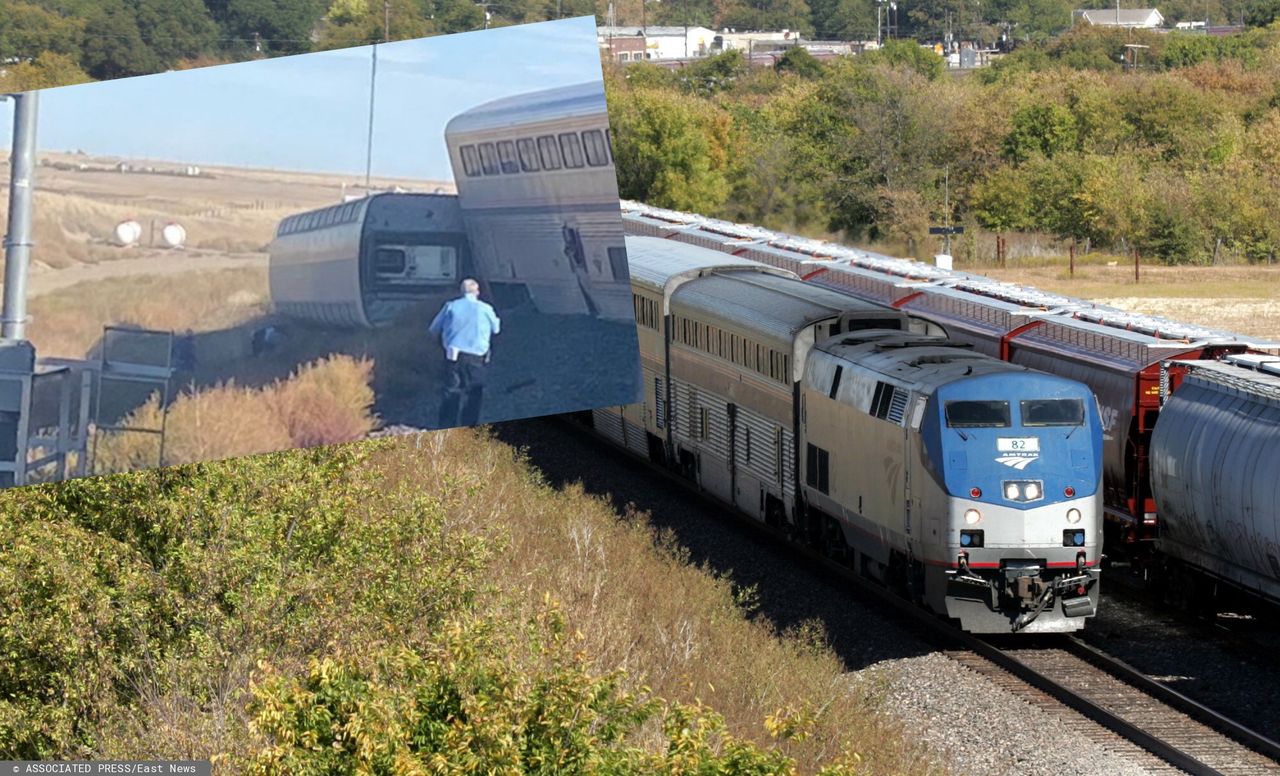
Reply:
x=539, y=194
x=1118, y=354
x=971, y=483
x=1215, y=462
x=362, y=263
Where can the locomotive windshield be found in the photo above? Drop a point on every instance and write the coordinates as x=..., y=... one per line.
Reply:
x=977, y=414
x=1053, y=412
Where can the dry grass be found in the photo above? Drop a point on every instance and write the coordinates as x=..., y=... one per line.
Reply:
x=325, y=402
x=1237, y=298
x=637, y=604
x=69, y=322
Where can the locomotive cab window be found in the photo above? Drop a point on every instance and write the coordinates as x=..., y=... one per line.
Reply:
x=390, y=261
x=1052, y=412
x=977, y=414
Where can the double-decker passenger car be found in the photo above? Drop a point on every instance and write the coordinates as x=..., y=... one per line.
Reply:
x=539, y=195
x=972, y=483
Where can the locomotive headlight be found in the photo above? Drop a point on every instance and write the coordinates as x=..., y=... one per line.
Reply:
x=1011, y=491
x=1073, y=515
x=972, y=516
x=1032, y=491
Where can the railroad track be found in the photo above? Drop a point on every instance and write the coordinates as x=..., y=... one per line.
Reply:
x=1105, y=699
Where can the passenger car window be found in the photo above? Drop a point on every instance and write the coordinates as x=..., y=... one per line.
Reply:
x=488, y=159
x=528, y=154
x=597, y=153
x=1052, y=412
x=550, y=152
x=977, y=414
x=507, y=154
x=470, y=160
x=571, y=146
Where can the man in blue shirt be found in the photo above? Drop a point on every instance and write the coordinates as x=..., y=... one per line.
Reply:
x=464, y=326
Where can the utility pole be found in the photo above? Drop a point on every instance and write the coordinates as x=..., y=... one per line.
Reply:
x=373, y=88
x=18, y=240
x=386, y=20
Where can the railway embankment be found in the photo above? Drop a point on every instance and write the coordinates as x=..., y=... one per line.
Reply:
x=407, y=601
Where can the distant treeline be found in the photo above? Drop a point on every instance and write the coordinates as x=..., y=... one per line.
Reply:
x=52, y=42
x=1179, y=158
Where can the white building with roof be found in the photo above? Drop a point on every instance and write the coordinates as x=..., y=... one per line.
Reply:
x=1129, y=18
x=664, y=42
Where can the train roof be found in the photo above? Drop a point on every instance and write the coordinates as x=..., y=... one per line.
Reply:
x=772, y=305
x=585, y=99
x=984, y=290
x=922, y=360
x=662, y=264
x=1248, y=374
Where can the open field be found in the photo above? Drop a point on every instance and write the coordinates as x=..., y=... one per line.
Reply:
x=1244, y=299
x=225, y=210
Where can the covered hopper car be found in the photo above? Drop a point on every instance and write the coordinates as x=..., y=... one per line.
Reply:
x=1215, y=463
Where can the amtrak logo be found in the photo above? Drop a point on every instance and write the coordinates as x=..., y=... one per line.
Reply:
x=1018, y=462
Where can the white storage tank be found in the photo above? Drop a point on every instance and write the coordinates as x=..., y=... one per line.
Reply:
x=173, y=235
x=127, y=233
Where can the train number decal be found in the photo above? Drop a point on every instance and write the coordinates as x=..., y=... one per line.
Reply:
x=1018, y=452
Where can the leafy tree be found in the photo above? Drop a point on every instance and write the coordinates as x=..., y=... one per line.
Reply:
x=799, y=61
x=669, y=152
x=906, y=54
x=116, y=48
x=281, y=26
x=46, y=70
x=28, y=30
x=1002, y=202
x=174, y=29
x=1045, y=129
x=768, y=15
x=361, y=22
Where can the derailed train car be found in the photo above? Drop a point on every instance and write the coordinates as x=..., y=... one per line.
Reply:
x=539, y=195
x=1215, y=461
x=362, y=264
x=1118, y=354
x=971, y=484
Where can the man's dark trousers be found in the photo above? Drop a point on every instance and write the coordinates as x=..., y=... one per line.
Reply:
x=463, y=390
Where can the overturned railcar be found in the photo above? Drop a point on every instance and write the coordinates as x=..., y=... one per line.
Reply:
x=362, y=264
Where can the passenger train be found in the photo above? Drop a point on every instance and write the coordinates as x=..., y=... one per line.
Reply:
x=535, y=220
x=1130, y=361
x=1117, y=354
x=971, y=483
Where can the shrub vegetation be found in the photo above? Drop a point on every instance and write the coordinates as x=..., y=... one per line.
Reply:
x=418, y=605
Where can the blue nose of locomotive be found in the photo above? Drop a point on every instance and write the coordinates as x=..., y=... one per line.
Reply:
x=1019, y=438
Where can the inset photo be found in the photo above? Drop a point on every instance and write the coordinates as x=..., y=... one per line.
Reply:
x=302, y=251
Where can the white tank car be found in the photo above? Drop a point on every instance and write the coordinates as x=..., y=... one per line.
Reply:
x=756, y=390
x=536, y=180
x=362, y=263
x=1215, y=460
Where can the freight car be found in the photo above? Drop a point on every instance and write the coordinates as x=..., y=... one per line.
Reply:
x=1117, y=354
x=1215, y=461
x=972, y=484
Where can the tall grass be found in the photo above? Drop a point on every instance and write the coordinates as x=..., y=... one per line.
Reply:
x=421, y=604
x=328, y=401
